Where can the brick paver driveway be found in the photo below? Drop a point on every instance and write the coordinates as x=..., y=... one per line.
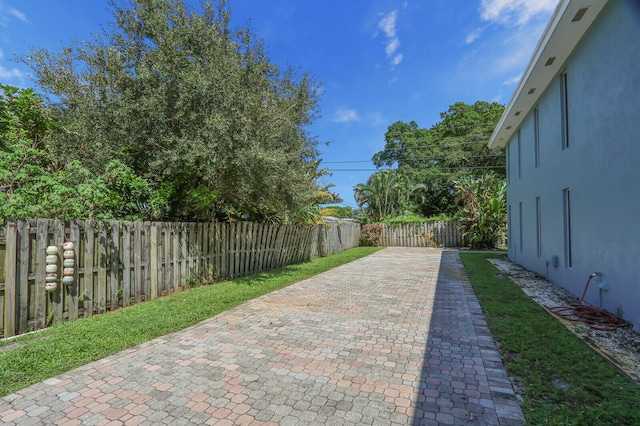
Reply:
x=395, y=338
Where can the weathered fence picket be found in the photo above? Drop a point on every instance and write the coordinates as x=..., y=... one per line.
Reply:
x=10, y=281
x=117, y=264
x=40, y=295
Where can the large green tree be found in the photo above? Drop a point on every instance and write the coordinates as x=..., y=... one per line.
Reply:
x=450, y=150
x=191, y=106
x=36, y=182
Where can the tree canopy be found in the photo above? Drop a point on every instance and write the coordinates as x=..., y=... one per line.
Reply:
x=191, y=107
x=450, y=150
x=36, y=182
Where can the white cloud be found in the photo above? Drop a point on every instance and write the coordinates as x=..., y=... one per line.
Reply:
x=392, y=46
x=8, y=13
x=16, y=13
x=388, y=26
x=514, y=12
x=10, y=73
x=506, y=37
x=474, y=35
x=344, y=115
x=6, y=73
x=517, y=49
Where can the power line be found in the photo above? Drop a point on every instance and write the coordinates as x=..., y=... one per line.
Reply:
x=411, y=159
x=348, y=204
x=447, y=142
x=420, y=168
x=442, y=125
x=343, y=162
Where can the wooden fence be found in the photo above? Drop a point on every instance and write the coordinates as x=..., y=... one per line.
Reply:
x=430, y=234
x=118, y=264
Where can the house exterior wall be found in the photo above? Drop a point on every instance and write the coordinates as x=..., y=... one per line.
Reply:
x=600, y=168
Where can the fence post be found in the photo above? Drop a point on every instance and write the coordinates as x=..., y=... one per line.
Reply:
x=126, y=263
x=58, y=295
x=74, y=237
x=10, y=281
x=184, y=239
x=165, y=232
x=322, y=241
x=89, y=242
x=22, y=284
x=114, y=265
x=40, y=294
x=101, y=298
x=153, y=260
x=175, y=228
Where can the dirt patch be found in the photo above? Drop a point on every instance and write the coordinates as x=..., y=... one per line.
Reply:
x=621, y=347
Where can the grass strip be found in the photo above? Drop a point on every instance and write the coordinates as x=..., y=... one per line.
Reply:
x=563, y=381
x=68, y=345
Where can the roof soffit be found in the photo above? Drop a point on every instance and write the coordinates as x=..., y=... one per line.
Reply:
x=558, y=41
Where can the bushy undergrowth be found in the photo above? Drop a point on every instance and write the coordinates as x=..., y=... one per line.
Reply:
x=484, y=213
x=371, y=235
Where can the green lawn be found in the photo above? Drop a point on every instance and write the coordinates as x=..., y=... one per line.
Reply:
x=71, y=344
x=564, y=382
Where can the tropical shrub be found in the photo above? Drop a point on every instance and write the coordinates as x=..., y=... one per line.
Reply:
x=387, y=193
x=483, y=214
x=371, y=235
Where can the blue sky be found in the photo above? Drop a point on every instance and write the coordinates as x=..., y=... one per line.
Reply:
x=380, y=61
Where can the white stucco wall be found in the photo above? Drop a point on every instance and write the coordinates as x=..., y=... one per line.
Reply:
x=601, y=167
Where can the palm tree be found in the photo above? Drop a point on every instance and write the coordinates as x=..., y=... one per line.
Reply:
x=385, y=194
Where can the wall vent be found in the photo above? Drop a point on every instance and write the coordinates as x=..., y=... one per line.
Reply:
x=579, y=14
x=530, y=92
x=517, y=113
x=550, y=61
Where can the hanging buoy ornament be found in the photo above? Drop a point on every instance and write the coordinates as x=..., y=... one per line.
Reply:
x=51, y=269
x=68, y=263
